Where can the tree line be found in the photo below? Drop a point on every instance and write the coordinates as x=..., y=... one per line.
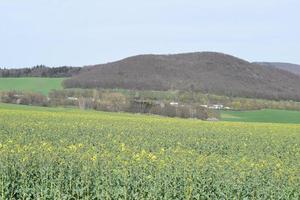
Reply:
x=107, y=101
x=187, y=104
x=40, y=71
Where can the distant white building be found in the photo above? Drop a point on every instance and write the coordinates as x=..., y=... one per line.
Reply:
x=174, y=103
x=216, y=107
x=72, y=98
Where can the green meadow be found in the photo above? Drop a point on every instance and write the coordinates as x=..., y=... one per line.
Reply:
x=39, y=85
x=267, y=115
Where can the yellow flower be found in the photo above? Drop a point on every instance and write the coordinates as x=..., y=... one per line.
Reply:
x=123, y=147
x=94, y=158
x=152, y=157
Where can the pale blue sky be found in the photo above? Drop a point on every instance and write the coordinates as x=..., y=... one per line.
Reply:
x=82, y=32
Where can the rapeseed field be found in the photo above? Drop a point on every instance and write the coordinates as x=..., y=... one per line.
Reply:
x=69, y=154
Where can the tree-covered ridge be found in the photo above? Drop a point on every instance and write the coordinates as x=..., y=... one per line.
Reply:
x=208, y=72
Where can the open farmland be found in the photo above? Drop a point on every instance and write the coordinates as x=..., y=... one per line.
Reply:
x=31, y=84
x=70, y=154
x=265, y=115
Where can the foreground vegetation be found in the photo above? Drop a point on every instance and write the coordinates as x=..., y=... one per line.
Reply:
x=270, y=116
x=67, y=154
x=38, y=85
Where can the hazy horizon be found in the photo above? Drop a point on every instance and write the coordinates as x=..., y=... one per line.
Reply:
x=77, y=33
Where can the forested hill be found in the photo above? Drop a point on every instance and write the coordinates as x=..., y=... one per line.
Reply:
x=208, y=72
x=41, y=71
x=284, y=66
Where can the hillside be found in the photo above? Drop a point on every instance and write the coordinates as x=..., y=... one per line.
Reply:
x=284, y=66
x=207, y=72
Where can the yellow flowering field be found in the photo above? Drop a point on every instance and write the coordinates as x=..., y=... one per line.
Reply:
x=69, y=154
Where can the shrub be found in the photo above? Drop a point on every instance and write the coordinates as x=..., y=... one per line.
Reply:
x=28, y=98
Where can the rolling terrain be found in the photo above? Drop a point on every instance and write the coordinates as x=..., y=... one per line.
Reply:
x=293, y=68
x=207, y=72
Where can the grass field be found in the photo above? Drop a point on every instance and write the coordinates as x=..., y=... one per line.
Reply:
x=40, y=85
x=270, y=116
x=70, y=154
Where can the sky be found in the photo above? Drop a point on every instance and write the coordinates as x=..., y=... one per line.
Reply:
x=84, y=32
